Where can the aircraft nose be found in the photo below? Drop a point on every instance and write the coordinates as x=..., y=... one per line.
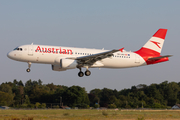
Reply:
x=10, y=55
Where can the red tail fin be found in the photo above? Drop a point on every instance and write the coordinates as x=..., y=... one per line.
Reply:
x=155, y=44
x=153, y=47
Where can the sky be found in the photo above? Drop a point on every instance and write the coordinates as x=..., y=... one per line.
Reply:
x=108, y=24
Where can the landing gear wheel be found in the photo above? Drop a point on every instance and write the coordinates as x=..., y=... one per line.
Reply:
x=29, y=65
x=87, y=73
x=80, y=74
x=28, y=70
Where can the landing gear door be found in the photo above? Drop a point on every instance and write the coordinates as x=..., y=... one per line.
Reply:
x=30, y=50
x=137, y=58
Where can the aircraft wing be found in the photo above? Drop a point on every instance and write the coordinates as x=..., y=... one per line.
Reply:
x=157, y=58
x=91, y=59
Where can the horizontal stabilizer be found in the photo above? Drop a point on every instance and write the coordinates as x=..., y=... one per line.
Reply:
x=157, y=58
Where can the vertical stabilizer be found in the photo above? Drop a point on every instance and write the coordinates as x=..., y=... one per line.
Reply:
x=151, y=51
x=154, y=46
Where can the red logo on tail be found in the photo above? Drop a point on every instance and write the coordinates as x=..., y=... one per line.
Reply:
x=156, y=43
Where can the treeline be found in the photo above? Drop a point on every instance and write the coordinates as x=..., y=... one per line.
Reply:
x=34, y=94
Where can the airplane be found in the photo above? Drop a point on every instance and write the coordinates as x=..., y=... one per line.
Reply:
x=64, y=58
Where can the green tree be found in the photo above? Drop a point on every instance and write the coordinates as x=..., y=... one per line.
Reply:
x=43, y=105
x=157, y=105
x=20, y=83
x=40, y=82
x=172, y=92
x=96, y=105
x=94, y=96
x=119, y=103
x=39, y=93
x=18, y=91
x=15, y=82
x=52, y=86
x=154, y=93
x=27, y=101
x=24, y=105
x=37, y=105
x=6, y=99
x=112, y=106
x=107, y=97
x=75, y=95
x=6, y=88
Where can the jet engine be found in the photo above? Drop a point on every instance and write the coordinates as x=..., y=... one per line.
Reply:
x=68, y=63
x=57, y=68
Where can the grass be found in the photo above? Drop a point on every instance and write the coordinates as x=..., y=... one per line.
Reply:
x=58, y=114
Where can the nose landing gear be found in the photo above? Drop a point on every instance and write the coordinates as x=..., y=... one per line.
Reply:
x=29, y=65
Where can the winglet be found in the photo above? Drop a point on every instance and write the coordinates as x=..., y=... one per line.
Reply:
x=121, y=49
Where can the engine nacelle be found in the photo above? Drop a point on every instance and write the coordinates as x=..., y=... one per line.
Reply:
x=68, y=63
x=57, y=68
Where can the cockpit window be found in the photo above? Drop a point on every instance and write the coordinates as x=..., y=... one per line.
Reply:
x=15, y=48
x=19, y=49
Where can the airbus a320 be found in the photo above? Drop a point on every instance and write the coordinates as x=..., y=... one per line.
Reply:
x=64, y=58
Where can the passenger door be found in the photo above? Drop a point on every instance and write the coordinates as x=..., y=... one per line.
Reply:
x=30, y=50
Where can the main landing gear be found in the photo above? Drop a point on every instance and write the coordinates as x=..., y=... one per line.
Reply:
x=87, y=73
x=29, y=65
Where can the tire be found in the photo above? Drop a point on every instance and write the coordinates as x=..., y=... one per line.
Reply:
x=80, y=74
x=28, y=70
x=87, y=73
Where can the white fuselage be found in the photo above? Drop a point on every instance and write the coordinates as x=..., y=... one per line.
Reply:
x=50, y=54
